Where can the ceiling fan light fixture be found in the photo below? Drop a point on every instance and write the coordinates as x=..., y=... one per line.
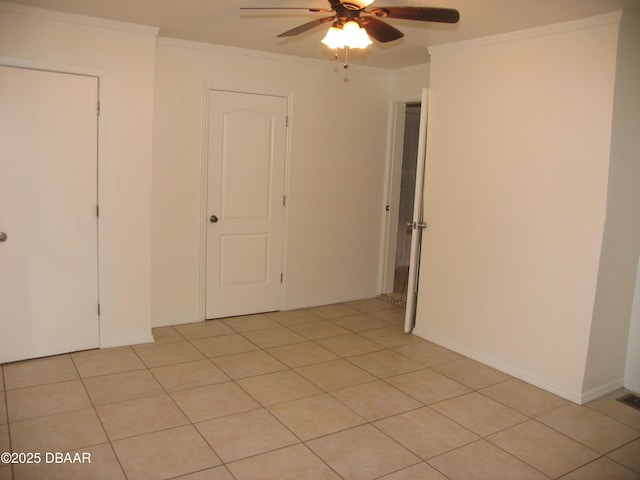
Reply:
x=333, y=39
x=351, y=35
x=359, y=4
x=355, y=36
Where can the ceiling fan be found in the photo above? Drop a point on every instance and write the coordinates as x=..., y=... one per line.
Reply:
x=369, y=19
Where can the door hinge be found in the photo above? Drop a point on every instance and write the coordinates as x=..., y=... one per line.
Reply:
x=97, y=210
x=98, y=309
x=98, y=108
x=281, y=277
x=286, y=121
x=417, y=225
x=284, y=200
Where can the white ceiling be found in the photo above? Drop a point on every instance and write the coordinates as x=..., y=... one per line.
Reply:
x=222, y=22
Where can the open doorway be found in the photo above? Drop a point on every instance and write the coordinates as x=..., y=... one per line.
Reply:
x=405, y=205
x=402, y=184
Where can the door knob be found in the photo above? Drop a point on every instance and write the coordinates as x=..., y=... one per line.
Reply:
x=213, y=219
x=3, y=237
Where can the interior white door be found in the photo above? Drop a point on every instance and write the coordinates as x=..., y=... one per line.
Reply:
x=246, y=162
x=417, y=224
x=48, y=195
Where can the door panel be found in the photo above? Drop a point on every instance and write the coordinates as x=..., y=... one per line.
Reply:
x=246, y=160
x=48, y=195
x=418, y=222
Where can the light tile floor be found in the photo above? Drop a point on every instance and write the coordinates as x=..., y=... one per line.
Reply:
x=330, y=392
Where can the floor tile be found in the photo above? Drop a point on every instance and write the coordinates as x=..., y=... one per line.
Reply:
x=471, y=373
x=278, y=387
x=390, y=337
x=290, y=463
x=611, y=407
x=362, y=452
x=166, y=335
x=58, y=433
x=5, y=472
x=293, y=317
x=394, y=315
x=301, y=354
x=596, y=431
x=92, y=363
x=385, y=363
x=523, y=397
x=182, y=376
x=360, y=322
x=370, y=305
x=274, y=337
x=425, y=432
x=479, y=414
x=628, y=455
x=543, y=448
x=122, y=386
x=208, y=328
x=427, y=353
x=246, y=323
x=165, y=454
x=483, y=461
x=213, y=401
x=143, y=415
x=335, y=375
x=316, y=416
x=363, y=398
x=224, y=345
x=5, y=443
x=167, y=353
x=602, y=469
x=421, y=471
x=46, y=399
x=216, y=473
x=246, y=434
x=29, y=373
x=248, y=364
x=320, y=329
x=101, y=464
x=349, y=345
x=428, y=386
x=336, y=310
x=376, y=400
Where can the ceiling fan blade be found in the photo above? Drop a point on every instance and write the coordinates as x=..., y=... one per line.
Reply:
x=306, y=26
x=381, y=31
x=423, y=14
x=314, y=10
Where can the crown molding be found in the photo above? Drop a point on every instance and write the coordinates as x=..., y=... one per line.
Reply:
x=553, y=29
x=246, y=52
x=77, y=19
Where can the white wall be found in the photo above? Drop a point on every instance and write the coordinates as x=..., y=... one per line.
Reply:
x=408, y=82
x=632, y=367
x=336, y=168
x=122, y=56
x=621, y=242
x=516, y=189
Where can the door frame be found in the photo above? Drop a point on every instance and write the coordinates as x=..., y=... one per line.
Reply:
x=101, y=160
x=393, y=177
x=204, y=170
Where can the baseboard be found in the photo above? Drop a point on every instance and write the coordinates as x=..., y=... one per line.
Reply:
x=632, y=387
x=551, y=387
x=122, y=342
x=602, y=390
